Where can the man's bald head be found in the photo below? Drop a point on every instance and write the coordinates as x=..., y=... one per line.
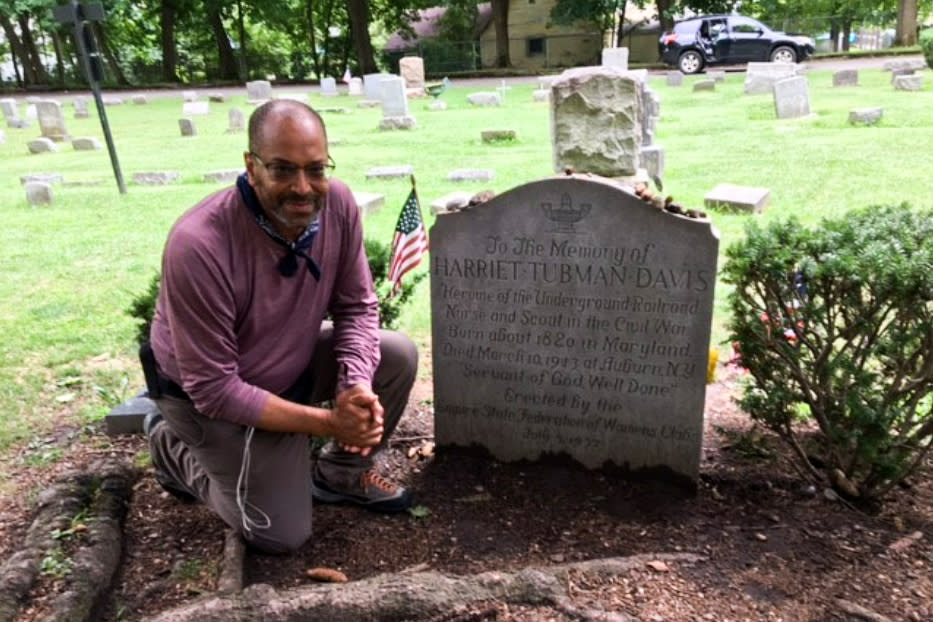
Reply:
x=274, y=111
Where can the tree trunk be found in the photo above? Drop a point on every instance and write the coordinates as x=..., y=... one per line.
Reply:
x=359, y=28
x=241, y=33
x=228, y=70
x=500, y=16
x=169, y=50
x=112, y=62
x=664, y=16
x=312, y=37
x=59, y=58
x=906, y=33
x=18, y=53
x=32, y=59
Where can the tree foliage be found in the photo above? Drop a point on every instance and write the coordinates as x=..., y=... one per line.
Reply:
x=835, y=326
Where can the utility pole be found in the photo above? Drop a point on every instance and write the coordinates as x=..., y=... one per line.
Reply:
x=81, y=15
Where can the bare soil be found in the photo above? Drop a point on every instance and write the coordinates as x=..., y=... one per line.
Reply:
x=773, y=546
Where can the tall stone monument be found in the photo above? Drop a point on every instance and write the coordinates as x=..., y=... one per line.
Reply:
x=51, y=120
x=570, y=317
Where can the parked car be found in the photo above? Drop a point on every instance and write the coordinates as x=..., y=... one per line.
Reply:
x=726, y=40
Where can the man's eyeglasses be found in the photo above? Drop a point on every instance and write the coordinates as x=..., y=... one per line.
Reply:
x=283, y=172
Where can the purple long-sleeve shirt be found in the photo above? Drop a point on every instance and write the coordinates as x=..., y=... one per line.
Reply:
x=230, y=329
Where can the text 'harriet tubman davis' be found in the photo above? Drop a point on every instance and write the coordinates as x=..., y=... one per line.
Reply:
x=568, y=316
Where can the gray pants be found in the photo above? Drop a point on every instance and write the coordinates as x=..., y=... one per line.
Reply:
x=205, y=455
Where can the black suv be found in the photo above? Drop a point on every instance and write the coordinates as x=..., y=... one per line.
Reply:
x=728, y=39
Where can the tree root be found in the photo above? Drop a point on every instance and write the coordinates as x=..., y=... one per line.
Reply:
x=102, y=493
x=415, y=596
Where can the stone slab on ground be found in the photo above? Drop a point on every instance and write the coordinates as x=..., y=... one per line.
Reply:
x=865, y=116
x=227, y=176
x=450, y=202
x=369, y=202
x=39, y=193
x=740, y=198
x=127, y=418
x=159, y=178
x=471, y=174
x=390, y=172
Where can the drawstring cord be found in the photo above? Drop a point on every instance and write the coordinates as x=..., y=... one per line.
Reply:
x=242, y=491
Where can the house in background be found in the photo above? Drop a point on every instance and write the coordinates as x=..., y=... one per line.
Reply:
x=536, y=43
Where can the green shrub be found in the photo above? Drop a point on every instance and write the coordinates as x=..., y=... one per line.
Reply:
x=835, y=326
x=926, y=45
x=390, y=308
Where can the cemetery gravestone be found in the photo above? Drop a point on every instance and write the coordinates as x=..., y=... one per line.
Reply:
x=615, y=57
x=390, y=172
x=156, y=178
x=845, y=77
x=41, y=145
x=140, y=100
x=570, y=317
x=597, y=121
x=760, y=77
x=258, y=91
x=218, y=98
x=704, y=85
x=51, y=120
x=737, y=198
x=86, y=143
x=675, y=78
x=485, y=99
x=369, y=202
x=395, y=105
x=411, y=68
x=38, y=193
x=189, y=96
x=195, y=108
x=11, y=113
x=716, y=75
x=865, y=116
x=81, y=111
x=372, y=85
x=328, y=87
x=236, y=121
x=356, y=86
x=187, y=127
x=471, y=174
x=224, y=176
x=791, y=98
x=913, y=82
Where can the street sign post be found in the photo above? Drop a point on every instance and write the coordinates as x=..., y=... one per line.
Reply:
x=81, y=15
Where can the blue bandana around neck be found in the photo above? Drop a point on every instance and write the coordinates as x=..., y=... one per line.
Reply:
x=288, y=265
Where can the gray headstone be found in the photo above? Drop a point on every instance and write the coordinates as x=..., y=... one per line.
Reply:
x=217, y=98
x=491, y=136
x=615, y=57
x=904, y=63
x=47, y=178
x=845, y=77
x=411, y=69
x=390, y=172
x=865, y=116
x=187, y=127
x=38, y=193
x=372, y=85
x=140, y=99
x=394, y=100
x=356, y=86
x=597, y=121
x=716, y=76
x=471, y=174
x=570, y=317
x=226, y=176
x=451, y=201
x=407, y=122
x=32, y=113
x=675, y=78
x=112, y=100
x=369, y=202
x=86, y=143
x=704, y=85
x=41, y=145
x=258, y=91
x=128, y=417
x=760, y=77
x=485, y=98
x=730, y=197
x=80, y=104
x=195, y=108
x=156, y=178
x=236, y=121
x=652, y=159
x=51, y=120
x=328, y=87
x=913, y=82
x=791, y=98
x=11, y=113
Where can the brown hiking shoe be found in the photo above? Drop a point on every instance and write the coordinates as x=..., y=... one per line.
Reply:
x=371, y=491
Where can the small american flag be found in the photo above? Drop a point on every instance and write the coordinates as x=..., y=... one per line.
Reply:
x=410, y=242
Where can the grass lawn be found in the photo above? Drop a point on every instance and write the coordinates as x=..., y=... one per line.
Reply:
x=70, y=270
